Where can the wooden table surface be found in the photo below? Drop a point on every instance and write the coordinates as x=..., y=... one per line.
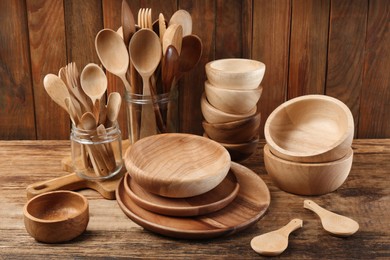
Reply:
x=365, y=197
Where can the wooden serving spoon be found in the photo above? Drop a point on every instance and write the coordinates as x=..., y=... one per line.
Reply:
x=93, y=82
x=56, y=89
x=170, y=67
x=145, y=54
x=183, y=18
x=173, y=36
x=275, y=242
x=333, y=223
x=113, y=54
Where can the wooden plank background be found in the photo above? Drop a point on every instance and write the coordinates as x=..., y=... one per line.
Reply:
x=334, y=47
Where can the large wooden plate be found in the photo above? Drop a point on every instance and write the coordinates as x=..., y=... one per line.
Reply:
x=208, y=202
x=247, y=208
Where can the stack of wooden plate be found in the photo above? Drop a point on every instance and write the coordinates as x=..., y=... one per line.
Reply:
x=186, y=186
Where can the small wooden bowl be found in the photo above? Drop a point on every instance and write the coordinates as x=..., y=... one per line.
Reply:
x=56, y=216
x=177, y=165
x=307, y=178
x=235, y=73
x=242, y=151
x=239, y=131
x=311, y=128
x=213, y=115
x=235, y=101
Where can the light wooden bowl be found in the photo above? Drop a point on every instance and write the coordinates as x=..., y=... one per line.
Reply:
x=307, y=178
x=242, y=151
x=235, y=101
x=56, y=216
x=213, y=115
x=239, y=131
x=311, y=128
x=177, y=165
x=235, y=73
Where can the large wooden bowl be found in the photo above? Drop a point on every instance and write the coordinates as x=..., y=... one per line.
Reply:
x=311, y=128
x=56, y=216
x=235, y=73
x=239, y=131
x=235, y=101
x=307, y=178
x=177, y=165
x=214, y=115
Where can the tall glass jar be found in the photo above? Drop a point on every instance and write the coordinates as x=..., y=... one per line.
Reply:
x=96, y=154
x=147, y=115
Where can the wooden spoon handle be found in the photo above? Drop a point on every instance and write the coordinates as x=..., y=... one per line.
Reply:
x=67, y=182
x=311, y=205
x=291, y=226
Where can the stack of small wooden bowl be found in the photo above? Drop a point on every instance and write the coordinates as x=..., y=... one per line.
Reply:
x=229, y=104
x=308, y=150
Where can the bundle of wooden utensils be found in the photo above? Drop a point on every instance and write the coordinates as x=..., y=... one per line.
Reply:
x=229, y=104
x=83, y=98
x=158, y=52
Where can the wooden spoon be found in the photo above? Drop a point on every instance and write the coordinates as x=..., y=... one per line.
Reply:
x=113, y=54
x=173, y=36
x=161, y=26
x=145, y=54
x=170, y=67
x=93, y=82
x=56, y=89
x=333, y=223
x=183, y=18
x=275, y=242
x=128, y=23
x=113, y=106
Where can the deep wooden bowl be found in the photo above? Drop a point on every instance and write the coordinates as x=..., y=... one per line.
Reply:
x=235, y=101
x=239, y=131
x=214, y=115
x=307, y=178
x=56, y=216
x=177, y=165
x=311, y=128
x=235, y=73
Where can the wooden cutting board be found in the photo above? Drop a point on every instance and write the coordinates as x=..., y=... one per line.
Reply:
x=247, y=208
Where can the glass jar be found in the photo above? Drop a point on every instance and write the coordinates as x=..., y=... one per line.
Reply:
x=96, y=154
x=148, y=115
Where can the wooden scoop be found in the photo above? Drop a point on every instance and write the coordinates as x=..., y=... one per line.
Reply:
x=333, y=223
x=275, y=242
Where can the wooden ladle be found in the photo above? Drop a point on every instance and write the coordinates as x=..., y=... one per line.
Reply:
x=113, y=54
x=145, y=54
x=275, y=242
x=333, y=223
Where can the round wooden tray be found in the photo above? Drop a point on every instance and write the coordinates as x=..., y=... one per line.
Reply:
x=208, y=202
x=248, y=207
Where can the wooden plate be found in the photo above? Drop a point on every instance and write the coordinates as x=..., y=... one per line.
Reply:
x=208, y=202
x=248, y=207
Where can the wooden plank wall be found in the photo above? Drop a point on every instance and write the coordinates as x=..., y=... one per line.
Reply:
x=334, y=47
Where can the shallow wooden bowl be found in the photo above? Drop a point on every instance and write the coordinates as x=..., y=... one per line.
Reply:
x=56, y=216
x=307, y=178
x=311, y=128
x=241, y=151
x=214, y=115
x=239, y=131
x=235, y=101
x=235, y=73
x=177, y=165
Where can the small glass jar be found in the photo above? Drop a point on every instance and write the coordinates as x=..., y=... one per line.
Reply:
x=96, y=154
x=148, y=115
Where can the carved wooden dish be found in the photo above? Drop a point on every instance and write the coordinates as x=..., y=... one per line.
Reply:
x=57, y=216
x=177, y=165
x=211, y=201
x=248, y=207
x=307, y=178
x=311, y=128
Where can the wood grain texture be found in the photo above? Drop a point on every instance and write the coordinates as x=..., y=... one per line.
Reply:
x=347, y=34
x=192, y=83
x=270, y=45
x=48, y=54
x=363, y=197
x=16, y=94
x=309, y=40
x=375, y=106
